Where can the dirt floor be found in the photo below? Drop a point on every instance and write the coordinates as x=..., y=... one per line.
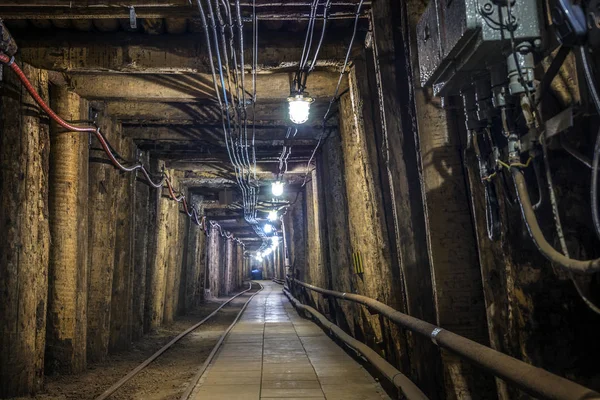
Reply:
x=167, y=377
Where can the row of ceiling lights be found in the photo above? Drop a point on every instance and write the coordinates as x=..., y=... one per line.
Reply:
x=277, y=190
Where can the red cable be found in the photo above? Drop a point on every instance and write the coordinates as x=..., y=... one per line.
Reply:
x=10, y=61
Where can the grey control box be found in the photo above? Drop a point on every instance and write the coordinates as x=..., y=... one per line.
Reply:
x=459, y=38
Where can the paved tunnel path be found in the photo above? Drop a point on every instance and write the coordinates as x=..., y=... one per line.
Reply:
x=272, y=353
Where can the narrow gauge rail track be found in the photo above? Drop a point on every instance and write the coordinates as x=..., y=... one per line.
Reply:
x=121, y=382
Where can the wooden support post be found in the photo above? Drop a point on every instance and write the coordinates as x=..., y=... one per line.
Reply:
x=214, y=262
x=152, y=268
x=229, y=271
x=240, y=264
x=121, y=303
x=157, y=276
x=172, y=264
x=67, y=297
x=102, y=225
x=24, y=234
x=452, y=246
x=182, y=235
x=295, y=223
x=202, y=267
x=141, y=233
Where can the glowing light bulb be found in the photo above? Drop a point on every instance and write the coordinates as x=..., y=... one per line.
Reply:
x=275, y=240
x=272, y=215
x=268, y=251
x=299, y=108
x=268, y=228
x=277, y=188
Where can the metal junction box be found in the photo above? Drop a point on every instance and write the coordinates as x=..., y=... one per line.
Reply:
x=459, y=38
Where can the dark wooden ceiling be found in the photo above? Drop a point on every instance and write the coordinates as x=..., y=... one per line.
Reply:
x=154, y=77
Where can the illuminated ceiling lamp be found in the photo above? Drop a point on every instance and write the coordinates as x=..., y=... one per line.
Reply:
x=299, y=104
x=277, y=188
x=272, y=215
x=268, y=228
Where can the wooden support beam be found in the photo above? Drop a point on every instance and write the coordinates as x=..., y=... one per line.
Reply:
x=214, y=257
x=192, y=87
x=25, y=238
x=267, y=113
x=142, y=232
x=67, y=295
x=264, y=136
x=102, y=179
x=122, y=301
x=184, y=9
x=135, y=52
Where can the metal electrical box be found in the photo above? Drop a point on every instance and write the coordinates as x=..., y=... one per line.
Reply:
x=457, y=38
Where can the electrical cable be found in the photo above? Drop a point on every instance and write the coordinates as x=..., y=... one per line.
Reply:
x=530, y=219
x=326, y=8
x=108, y=149
x=591, y=82
x=334, y=97
x=558, y=225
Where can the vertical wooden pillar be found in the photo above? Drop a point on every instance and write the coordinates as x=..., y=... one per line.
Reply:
x=67, y=297
x=214, y=261
x=229, y=272
x=171, y=252
x=191, y=266
x=240, y=263
x=295, y=224
x=121, y=303
x=102, y=224
x=391, y=85
x=24, y=234
x=234, y=267
x=182, y=237
x=152, y=266
x=141, y=233
x=201, y=265
x=157, y=278
x=452, y=248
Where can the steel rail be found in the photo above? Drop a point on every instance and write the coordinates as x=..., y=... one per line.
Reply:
x=192, y=385
x=397, y=378
x=535, y=381
x=111, y=390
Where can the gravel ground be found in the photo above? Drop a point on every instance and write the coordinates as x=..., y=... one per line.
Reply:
x=167, y=377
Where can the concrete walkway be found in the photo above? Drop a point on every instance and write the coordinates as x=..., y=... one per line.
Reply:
x=272, y=353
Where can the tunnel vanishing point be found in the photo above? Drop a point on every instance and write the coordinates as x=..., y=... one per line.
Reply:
x=323, y=199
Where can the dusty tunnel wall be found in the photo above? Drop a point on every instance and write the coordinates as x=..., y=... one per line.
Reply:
x=90, y=258
x=402, y=192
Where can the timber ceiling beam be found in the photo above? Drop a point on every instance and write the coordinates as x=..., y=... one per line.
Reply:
x=215, y=154
x=263, y=135
x=140, y=53
x=266, y=114
x=266, y=10
x=192, y=87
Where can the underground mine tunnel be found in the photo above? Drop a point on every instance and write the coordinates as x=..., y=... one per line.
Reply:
x=316, y=199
